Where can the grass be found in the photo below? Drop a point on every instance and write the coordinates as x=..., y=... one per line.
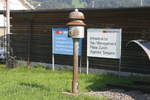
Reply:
x=41, y=84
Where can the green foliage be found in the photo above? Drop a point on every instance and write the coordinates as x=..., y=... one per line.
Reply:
x=87, y=3
x=78, y=4
x=39, y=83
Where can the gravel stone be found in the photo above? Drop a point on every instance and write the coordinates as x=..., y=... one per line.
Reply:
x=118, y=94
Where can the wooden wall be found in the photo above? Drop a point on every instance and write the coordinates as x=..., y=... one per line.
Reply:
x=32, y=36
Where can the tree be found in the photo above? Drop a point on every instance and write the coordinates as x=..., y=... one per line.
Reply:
x=87, y=3
x=78, y=4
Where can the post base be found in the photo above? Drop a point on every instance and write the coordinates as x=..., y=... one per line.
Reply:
x=75, y=87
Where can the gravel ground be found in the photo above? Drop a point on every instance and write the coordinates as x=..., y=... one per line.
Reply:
x=116, y=94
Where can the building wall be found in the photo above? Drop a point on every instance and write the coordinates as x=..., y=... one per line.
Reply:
x=32, y=37
x=19, y=5
x=1, y=32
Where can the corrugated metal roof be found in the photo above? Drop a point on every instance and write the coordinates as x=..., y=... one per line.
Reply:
x=145, y=45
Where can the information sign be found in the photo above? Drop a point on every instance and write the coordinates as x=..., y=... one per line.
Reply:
x=62, y=44
x=105, y=43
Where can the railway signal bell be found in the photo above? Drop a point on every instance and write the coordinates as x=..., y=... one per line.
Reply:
x=76, y=31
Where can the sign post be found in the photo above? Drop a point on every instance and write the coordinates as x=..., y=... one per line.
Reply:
x=87, y=65
x=76, y=31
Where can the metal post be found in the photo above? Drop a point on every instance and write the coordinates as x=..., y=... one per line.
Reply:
x=4, y=39
x=119, y=66
x=76, y=31
x=93, y=4
x=80, y=64
x=75, y=67
x=29, y=44
x=8, y=16
x=141, y=2
x=8, y=30
x=53, y=55
x=120, y=60
x=53, y=62
x=87, y=66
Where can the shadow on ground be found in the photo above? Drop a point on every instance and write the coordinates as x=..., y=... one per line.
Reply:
x=41, y=87
x=98, y=84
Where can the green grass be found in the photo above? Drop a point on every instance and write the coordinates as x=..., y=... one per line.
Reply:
x=42, y=84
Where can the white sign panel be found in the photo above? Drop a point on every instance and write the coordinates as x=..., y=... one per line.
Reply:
x=105, y=43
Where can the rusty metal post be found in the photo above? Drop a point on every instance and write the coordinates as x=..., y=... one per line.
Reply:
x=76, y=31
x=75, y=66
